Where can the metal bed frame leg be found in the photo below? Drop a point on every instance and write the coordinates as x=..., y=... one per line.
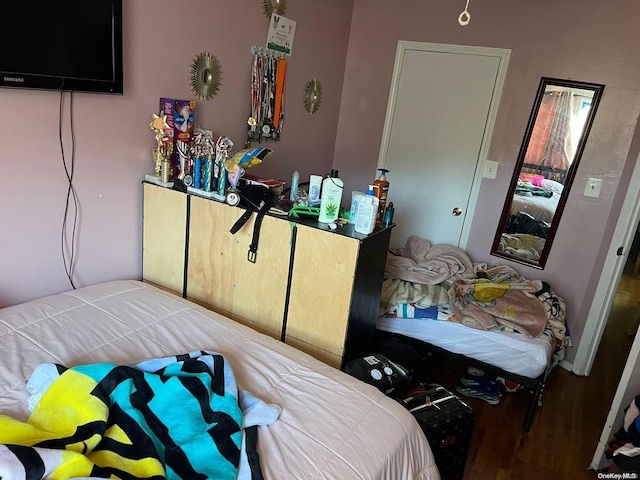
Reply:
x=536, y=401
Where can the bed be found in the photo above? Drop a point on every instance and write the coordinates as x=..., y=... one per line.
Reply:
x=329, y=426
x=533, y=207
x=540, y=200
x=431, y=299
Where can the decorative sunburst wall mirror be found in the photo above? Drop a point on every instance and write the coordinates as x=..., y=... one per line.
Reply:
x=269, y=7
x=312, y=96
x=205, y=76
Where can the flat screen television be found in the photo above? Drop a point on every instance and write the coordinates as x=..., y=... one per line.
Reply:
x=68, y=45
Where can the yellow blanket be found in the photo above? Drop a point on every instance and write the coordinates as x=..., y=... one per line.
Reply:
x=180, y=421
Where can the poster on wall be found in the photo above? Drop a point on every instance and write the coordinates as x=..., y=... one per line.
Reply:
x=280, y=35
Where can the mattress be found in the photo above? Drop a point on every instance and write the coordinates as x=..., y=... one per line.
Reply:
x=332, y=426
x=512, y=352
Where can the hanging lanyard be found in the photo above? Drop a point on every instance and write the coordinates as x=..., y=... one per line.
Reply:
x=279, y=99
x=267, y=96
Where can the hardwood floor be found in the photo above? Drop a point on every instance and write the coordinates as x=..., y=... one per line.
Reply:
x=566, y=429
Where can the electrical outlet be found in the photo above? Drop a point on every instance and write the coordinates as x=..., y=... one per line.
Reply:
x=490, y=169
x=592, y=188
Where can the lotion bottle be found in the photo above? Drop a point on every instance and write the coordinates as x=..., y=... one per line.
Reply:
x=367, y=212
x=331, y=198
x=295, y=179
x=355, y=200
x=381, y=190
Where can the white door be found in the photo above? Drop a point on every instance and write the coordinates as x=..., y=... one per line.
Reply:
x=439, y=120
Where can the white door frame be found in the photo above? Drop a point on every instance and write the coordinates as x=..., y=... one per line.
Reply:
x=610, y=277
x=503, y=57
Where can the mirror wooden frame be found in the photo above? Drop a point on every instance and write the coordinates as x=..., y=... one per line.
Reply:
x=546, y=83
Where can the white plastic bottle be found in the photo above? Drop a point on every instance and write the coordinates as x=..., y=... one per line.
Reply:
x=367, y=212
x=355, y=200
x=331, y=198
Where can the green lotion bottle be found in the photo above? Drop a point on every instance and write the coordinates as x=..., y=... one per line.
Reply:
x=331, y=198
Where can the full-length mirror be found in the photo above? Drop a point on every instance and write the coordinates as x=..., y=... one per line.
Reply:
x=553, y=143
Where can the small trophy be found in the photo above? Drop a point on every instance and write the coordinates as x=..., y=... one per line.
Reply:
x=162, y=152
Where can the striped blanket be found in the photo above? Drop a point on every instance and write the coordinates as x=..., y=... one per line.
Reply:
x=178, y=417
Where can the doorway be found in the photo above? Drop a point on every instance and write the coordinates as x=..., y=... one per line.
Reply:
x=610, y=277
x=440, y=116
x=619, y=263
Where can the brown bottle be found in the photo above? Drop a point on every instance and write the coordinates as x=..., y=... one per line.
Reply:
x=381, y=190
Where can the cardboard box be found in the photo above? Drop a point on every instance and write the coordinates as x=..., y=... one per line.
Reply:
x=167, y=107
x=181, y=121
x=184, y=120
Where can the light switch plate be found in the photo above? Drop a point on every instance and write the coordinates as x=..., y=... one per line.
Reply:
x=592, y=188
x=490, y=169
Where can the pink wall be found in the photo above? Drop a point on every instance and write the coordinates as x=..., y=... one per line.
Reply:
x=596, y=43
x=113, y=141
x=354, y=61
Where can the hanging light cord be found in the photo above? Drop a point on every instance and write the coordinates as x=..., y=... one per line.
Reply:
x=465, y=16
x=71, y=192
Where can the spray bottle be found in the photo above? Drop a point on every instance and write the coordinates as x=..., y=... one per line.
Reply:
x=381, y=190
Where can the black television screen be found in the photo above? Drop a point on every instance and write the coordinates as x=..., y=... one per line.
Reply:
x=70, y=45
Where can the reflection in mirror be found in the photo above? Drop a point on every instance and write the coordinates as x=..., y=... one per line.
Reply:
x=556, y=134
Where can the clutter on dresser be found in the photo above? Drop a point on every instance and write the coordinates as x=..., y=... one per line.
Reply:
x=189, y=159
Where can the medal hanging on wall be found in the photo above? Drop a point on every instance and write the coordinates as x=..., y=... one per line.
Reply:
x=256, y=78
x=267, y=96
x=267, y=91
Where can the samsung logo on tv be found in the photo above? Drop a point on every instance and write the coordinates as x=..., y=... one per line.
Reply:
x=14, y=79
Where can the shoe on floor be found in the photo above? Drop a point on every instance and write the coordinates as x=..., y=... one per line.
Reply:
x=471, y=392
x=509, y=385
x=476, y=372
x=486, y=385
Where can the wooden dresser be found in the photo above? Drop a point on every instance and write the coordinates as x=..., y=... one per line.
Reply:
x=310, y=287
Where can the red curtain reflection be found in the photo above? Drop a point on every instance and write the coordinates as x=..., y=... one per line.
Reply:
x=546, y=153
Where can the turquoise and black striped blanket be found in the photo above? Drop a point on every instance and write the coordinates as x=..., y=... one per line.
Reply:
x=179, y=417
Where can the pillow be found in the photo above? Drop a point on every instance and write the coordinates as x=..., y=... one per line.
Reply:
x=536, y=180
x=552, y=185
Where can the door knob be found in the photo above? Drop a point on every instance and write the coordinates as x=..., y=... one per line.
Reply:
x=457, y=212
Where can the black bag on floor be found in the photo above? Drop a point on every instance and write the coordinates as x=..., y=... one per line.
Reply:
x=379, y=371
x=447, y=422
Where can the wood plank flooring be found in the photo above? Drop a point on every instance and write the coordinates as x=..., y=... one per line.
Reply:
x=567, y=427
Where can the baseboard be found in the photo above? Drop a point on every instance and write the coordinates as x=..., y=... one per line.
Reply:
x=566, y=365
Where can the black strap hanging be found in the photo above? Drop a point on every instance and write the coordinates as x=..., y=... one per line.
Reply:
x=259, y=199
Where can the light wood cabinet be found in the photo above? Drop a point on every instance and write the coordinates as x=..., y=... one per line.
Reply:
x=311, y=287
x=220, y=277
x=164, y=221
x=321, y=290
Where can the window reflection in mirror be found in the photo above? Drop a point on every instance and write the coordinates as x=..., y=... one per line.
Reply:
x=556, y=134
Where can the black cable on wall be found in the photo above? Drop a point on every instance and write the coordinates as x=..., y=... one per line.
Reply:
x=71, y=193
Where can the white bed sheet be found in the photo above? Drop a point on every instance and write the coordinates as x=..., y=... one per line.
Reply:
x=541, y=208
x=514, y=353
x=332, y=426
